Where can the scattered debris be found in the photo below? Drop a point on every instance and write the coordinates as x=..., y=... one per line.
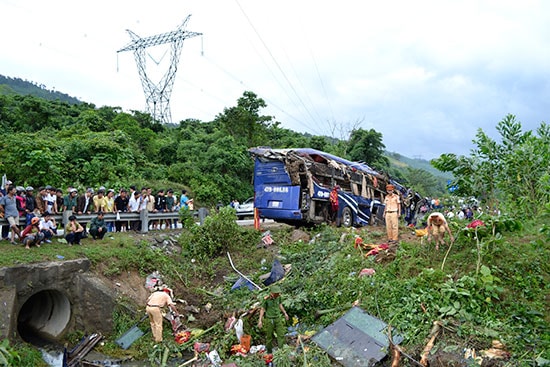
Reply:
x=241, y=274
x=130, y=336
x=356, y=336
x=277, y=273
x=476, y=223
x=74, y=357
x=266, y=241
x=497, y=351
x=367, y=272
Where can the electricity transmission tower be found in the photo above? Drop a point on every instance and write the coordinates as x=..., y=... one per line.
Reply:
x=157, y=96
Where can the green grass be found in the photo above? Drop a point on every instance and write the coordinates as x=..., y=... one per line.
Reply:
x=495, y=289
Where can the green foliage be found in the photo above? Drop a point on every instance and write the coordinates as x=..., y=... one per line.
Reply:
x=8, y=356
x=367, y=146
x=422, y=182
x=216, y=236
x=186, y=218
x=21, y=355
x=24, y=87
x=512, y=174
x=244, y=122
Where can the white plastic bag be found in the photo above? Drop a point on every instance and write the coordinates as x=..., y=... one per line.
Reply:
x=214, y=358
x=239, y=329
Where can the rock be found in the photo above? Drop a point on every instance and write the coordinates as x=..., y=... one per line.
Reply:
x=299, y=235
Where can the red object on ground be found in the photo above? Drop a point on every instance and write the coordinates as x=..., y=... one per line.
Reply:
x=182, y=337
x=268, y=358
x=201, y=347
x=368, y=272
x=475, y=223
x=377, y=249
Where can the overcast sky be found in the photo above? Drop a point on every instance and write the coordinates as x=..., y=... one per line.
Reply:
x=426, y=74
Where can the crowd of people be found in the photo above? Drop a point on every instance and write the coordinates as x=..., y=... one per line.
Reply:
x=30, y=215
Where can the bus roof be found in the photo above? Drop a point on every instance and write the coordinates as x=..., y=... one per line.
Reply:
x=270, y=153
x=276, y=153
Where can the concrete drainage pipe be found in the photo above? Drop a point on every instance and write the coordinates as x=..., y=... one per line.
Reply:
x=45, y=315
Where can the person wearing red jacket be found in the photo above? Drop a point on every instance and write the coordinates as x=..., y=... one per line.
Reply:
x=31, y=235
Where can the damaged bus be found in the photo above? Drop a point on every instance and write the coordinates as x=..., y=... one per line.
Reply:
x=293, y=186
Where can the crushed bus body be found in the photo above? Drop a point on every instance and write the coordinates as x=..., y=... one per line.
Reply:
x=293, y=186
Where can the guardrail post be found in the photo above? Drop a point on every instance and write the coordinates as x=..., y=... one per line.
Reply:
x=144, y=217
x=65, y=218
x=203, y=213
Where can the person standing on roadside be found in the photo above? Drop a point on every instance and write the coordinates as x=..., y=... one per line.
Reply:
x=334, y=205
x=121, y=206
x=185, y=202
x=274, y=311
x=70, y=201
x=9, y=202
x=133, y=207
x=30, y=204
x=392, y=212
x=171, y=206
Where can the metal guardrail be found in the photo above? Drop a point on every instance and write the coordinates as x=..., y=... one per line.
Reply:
x=144, y=216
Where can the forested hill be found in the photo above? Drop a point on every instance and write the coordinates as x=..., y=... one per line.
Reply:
x=59, y=143
x=19, y=86
x=418, y=163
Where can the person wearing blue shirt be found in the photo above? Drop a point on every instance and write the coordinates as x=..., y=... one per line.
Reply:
x=184, y=200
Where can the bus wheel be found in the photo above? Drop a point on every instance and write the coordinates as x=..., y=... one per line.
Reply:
x=347, y=217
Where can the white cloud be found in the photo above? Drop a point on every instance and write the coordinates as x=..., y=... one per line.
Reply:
x=426, y=74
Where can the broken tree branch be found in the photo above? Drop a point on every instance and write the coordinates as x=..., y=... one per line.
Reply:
x=433, y=334
x=397, y=351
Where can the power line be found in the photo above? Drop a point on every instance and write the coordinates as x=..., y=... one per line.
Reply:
x=275, y=61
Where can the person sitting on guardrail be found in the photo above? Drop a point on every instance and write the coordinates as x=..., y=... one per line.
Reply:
x=98, y=227
x=73, y=231
x=31, y=235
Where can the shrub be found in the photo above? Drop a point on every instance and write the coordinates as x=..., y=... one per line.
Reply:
x=214, y=237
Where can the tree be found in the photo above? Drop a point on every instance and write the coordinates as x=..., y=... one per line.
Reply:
x=422, y=182
x=367, y=146
x=514, y=173
x=244, y=121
